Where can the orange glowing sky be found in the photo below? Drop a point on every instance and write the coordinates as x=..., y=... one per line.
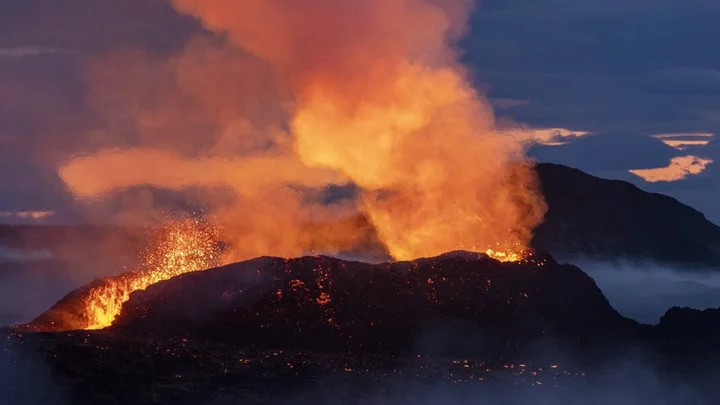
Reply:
x=681, y=141
x=678, y=169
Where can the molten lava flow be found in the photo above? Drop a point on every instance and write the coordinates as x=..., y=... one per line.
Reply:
x=181, y=247
x=508, y=256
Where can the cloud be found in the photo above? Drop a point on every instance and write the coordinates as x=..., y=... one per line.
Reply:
x=27, y=215
x=644, y=291
x=608, y=152
x=26, y=51
x=15, y=255
x=557, y=136
x=683, y=141
x=678, y=169
x=104, y=172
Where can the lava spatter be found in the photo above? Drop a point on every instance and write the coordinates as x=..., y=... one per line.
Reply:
x=181, y=247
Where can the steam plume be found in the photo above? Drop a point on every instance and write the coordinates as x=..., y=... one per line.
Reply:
x=316, y=92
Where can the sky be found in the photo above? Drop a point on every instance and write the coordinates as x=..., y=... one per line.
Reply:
x=639, y=79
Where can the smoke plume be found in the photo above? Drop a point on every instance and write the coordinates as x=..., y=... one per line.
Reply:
x=287, y=97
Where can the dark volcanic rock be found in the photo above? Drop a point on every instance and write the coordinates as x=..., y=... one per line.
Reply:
x=458, y=301
x=690, y=338
x=611, y=219
x=102, y=368
x=248, y=332
x=691, y=324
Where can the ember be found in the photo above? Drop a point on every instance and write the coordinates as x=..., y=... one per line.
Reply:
x=181, y=247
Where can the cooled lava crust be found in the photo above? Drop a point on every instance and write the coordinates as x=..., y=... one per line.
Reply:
x=458, y=301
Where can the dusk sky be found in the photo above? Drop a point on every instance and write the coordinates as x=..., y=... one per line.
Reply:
x=638, y=79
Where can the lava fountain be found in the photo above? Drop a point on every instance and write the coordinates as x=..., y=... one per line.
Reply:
x=178, y=247
x=181, y=247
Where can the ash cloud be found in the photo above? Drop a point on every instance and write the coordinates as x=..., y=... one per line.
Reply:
x=283, y=96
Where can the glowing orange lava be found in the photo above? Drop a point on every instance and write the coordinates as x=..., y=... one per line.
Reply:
x=181, y=247
x=508, y=256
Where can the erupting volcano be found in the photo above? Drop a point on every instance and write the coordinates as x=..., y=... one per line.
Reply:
x=283, y=100
x=331, y=304
x=288, y=98
x=312, y=195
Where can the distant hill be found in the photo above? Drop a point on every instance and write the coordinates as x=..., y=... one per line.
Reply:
x=611, y=219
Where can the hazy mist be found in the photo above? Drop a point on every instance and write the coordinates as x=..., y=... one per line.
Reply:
x=645, y=291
